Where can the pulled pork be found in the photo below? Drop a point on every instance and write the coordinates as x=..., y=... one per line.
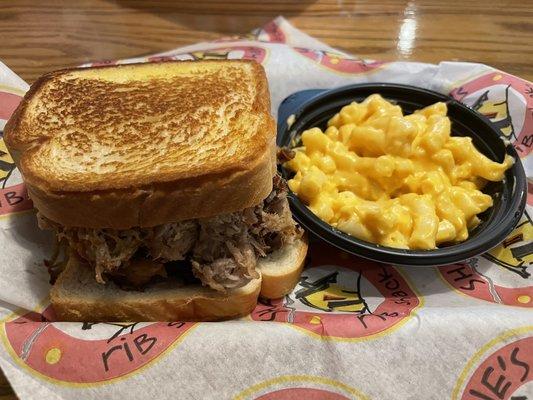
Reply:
x=106, y=249
x=171, y=242
x=139, y=273
x=110, y=250
x=223, y=256
x=226, y=252
x=223, y=250
x=273, y=226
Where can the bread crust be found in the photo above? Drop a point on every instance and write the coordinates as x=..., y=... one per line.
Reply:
x=169, y=199
x=239, y=303
x=281, y=272
x=159, y=203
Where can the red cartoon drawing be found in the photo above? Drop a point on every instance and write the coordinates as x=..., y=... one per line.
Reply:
x=302, y=393
x=289, y=387
x=85, y=353
x=14, y=199
x=340, y=63
x=13, y=195
x=502, y=275
x=257, y=54
x=342, y=297
x=270, y=33
x=507, y=101
x=499, y=371
x=8, y=104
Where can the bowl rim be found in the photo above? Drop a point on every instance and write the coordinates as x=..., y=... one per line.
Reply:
x=489, y=237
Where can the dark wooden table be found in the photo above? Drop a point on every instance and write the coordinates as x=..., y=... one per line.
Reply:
x=39, y=36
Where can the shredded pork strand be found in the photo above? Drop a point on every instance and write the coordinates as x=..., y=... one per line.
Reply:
x=223, y=250
x=106, y=249
x=223, y=257
x=274, y=227
x=110, y=250
x=171, y=242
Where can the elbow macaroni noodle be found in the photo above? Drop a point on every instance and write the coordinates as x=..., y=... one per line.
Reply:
x=392, y=179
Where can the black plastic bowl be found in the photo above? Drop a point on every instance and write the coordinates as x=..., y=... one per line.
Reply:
x=314, y=107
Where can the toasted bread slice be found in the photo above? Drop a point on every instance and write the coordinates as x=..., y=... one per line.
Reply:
x=281, y=270
x=76, y=296
x=145, y=144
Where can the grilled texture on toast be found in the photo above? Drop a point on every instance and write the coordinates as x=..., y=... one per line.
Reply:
x=117, y=127
x=147, y=135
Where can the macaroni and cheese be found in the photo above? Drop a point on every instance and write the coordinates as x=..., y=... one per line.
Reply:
x=392, y=179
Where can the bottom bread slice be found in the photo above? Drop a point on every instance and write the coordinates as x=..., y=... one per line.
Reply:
x=76, y=296
x=280, y=270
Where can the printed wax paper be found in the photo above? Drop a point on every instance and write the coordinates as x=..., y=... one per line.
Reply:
x=462, y=331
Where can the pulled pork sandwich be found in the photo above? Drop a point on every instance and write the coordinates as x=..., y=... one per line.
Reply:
x=160, y=182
